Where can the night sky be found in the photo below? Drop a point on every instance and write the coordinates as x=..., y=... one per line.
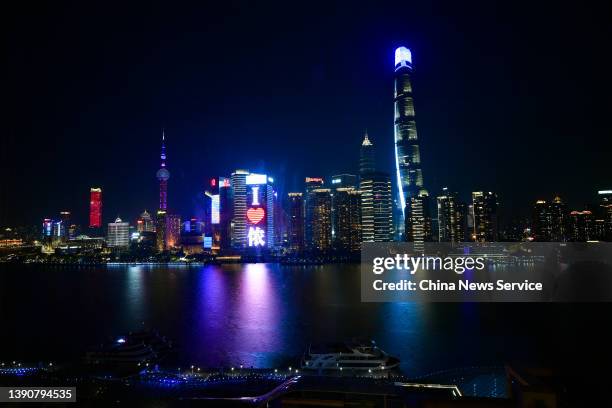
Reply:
x=512, y=98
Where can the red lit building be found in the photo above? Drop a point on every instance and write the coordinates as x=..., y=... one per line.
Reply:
x=95, y=207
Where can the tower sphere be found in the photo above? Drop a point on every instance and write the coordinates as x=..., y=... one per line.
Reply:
x=163, y=174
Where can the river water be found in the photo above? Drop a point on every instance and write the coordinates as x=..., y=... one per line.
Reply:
x=265, y=315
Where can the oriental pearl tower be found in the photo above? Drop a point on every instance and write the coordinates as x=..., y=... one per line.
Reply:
x=163, y=175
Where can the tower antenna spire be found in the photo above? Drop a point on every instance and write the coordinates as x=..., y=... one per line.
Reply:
x=163, y=149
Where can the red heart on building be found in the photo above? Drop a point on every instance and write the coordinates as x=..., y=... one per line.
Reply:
x=255, y=214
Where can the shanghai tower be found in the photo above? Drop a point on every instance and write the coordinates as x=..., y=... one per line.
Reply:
x=407, y=155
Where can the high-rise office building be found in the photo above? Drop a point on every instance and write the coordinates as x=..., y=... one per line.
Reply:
x=260, y=205
x=542, y=221
x=407, y=153
x=346, y=206
x=59, y=232
x=118, y=234
x=558, y=217
x=319, y=206
x=163, y=175
x=311, y=184
x=367, y=162
x=451, y=217
x=73, y=231
x=281, y=221
x=549, y=221
x=485, y=216
x=47, y=229
x=145, y=223
x=173, y=231
x=340, y=182
x=95, y=207
x=65, y=219
x=376, y=207
x=192, y=236
x=419, y=226
x=226, y=213
x=605, y=211
x=344, y=181
x=239, y=203
x=581, y=226
x=296, y=222
x=160, y=230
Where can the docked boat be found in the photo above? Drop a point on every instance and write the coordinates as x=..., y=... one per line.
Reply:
x=137, y=347
x=348, y=356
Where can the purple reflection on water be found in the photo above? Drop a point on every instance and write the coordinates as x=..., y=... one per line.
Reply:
x=211, y=305
x=237, y=310
x=258, y=311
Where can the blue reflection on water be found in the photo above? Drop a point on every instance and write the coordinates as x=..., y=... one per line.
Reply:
x=261, y=315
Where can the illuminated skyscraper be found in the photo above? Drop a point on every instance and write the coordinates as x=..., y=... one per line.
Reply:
x=376, y=197
x=376, y=207
x=226, y=213
x=320, y=220
x=549, y=221
x=311, y=184
x=296, y=222
x=118, y=234
x=485, y=216
x=145, y=223
x=451, y=217
x=605, y=210
x=160, y=230
x=558, y=214
x=95, y=207
x=260, y=205
x=163, y=175
x=418, y=227
x=542, y=221
x=239, y=203
x=173, y=231
x=344, y=181
x=367, y=163
x=346, y=207
x=59, y=232
x=65, y=219
x=581, y=226
x=407, y=154
x=47, y=229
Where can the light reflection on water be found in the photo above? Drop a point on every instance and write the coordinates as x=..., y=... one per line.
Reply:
x=261, y=315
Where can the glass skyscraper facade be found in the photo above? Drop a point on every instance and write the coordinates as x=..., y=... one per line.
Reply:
x=319, y=219
x=118, y=234
x=296, y=222
x=451, y=217
x=95, y=207
x=376, y=207
x=311, y=184
x=484, y=207
x=239, y=200
x=407, y=154
x=367, y=162
x=346, y=207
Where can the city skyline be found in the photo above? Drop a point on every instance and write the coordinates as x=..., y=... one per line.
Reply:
x=111, y=142
x=403, y=203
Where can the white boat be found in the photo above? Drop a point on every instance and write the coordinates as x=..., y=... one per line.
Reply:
x=137, y=347
x=348, y=356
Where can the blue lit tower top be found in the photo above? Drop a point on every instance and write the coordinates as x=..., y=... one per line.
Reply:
x=163, y=175
x=403, y=57
x=407, y=154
